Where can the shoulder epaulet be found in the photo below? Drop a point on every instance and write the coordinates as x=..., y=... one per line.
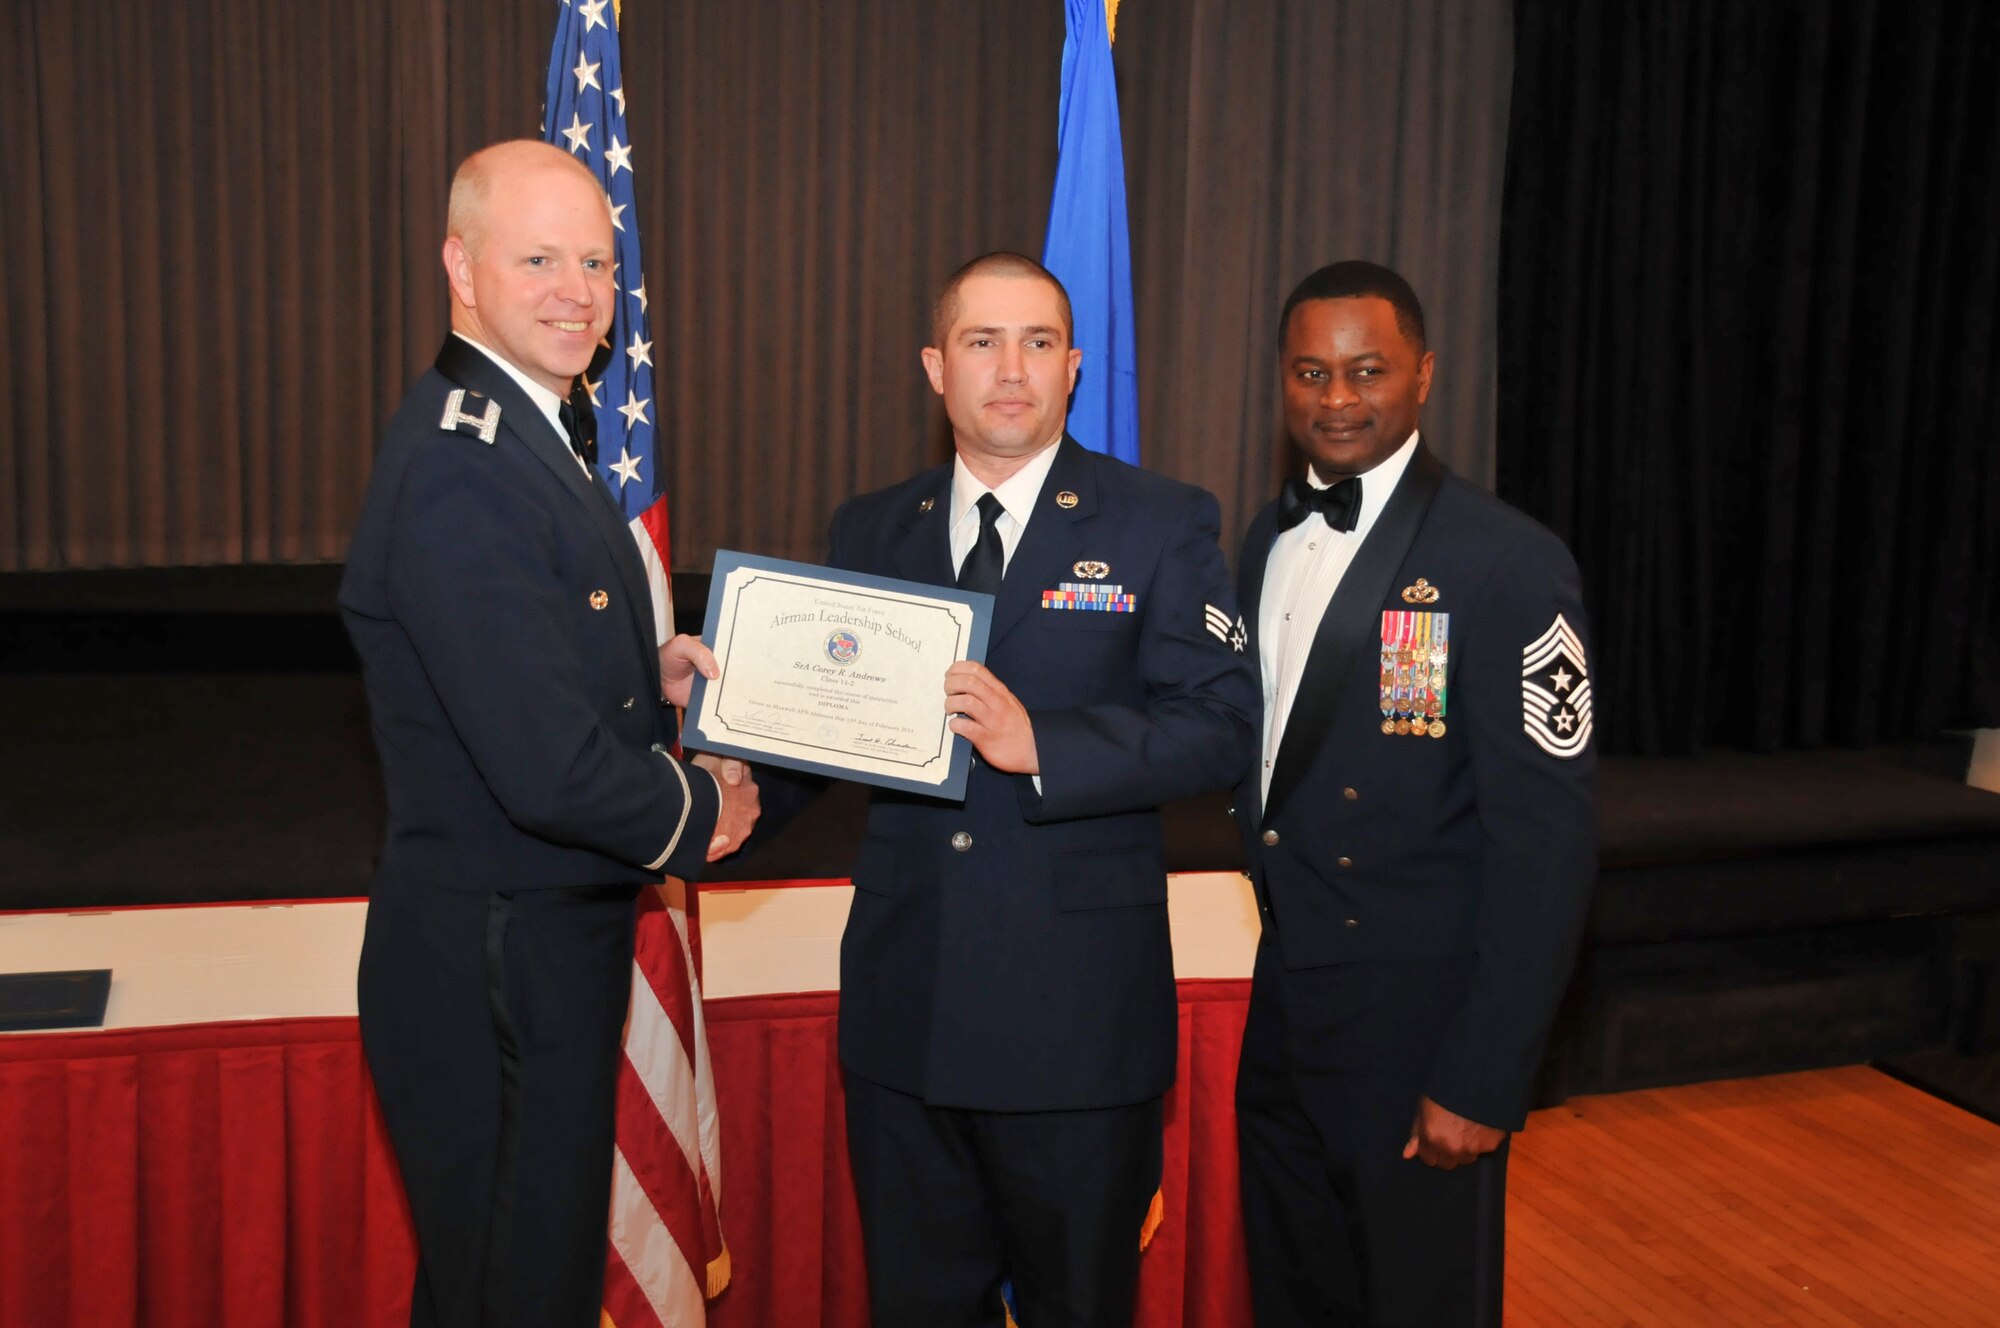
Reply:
x=457, y=419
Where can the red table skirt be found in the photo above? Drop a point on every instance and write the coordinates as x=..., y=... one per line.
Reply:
x=237, y=1175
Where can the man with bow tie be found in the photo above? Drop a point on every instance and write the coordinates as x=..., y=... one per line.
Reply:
x=1421, y=829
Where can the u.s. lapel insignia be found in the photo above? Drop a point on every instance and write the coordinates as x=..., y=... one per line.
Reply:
x=1091, y=570
x=927, y=504
x=598, y=599
x=1065, y=500
x=457, y=419
x=1421, y=593
x=1555, y=691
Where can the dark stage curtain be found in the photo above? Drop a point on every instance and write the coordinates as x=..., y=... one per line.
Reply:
x=223, y=220
x=1748, y=358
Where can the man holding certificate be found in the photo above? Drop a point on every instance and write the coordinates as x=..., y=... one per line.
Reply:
x=1008, y=1016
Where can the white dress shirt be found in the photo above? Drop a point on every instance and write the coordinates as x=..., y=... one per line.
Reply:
x=550, y=403
x=1304, y=569
x=1017, y=494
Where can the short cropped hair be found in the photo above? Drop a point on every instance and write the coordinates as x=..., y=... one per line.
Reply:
x=472, y=184
x=1001, y=263
x=1353, y=278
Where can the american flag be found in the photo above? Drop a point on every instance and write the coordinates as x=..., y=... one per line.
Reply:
x=584, y=111
x=666, y=1256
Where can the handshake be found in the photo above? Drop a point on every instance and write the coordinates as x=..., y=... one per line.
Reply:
x=680, y=659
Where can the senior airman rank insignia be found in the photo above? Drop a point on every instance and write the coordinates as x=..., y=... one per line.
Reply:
x=1416, y=657
x=1555, y=691
x=456, y=419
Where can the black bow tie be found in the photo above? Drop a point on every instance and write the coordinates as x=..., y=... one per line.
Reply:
x=1340, y=504
x=579, y=420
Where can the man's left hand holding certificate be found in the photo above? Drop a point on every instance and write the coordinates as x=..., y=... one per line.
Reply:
x=836, y=673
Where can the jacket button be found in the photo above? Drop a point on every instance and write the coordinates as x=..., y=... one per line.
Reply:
x=1270, y=836
x=627, y=704
x=660, y=747
x=1345, y=861
x=1232, y=813
x=1349, y=794
x=961, y=841
x=1352, y=923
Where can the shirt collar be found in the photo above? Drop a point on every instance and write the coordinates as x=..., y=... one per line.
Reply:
x=1376, y=484
x=1017, y=493
x=550, y=403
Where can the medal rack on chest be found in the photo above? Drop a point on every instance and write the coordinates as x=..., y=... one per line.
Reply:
x=1416, y=648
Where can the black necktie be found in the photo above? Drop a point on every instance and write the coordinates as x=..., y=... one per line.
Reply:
x=988, y=558
x=579, y=421
x=1340, y=504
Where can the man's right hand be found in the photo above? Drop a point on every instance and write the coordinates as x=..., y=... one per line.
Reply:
x=740, y=804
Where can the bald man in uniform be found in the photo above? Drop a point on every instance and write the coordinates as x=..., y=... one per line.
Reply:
x=524, y=716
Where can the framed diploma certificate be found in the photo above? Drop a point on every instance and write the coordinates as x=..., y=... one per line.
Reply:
x=838, y=673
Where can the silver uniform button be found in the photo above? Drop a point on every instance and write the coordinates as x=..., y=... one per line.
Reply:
x=660, y=747
x=1270, y=836
x=627, y=704
x=1353, y=922
x=961, y=840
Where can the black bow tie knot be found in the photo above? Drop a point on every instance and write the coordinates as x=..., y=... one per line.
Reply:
x=1339, y=503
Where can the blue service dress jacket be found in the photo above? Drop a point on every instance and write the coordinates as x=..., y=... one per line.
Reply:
x=1377, y=846
x=507, y=642
x=1011, y=952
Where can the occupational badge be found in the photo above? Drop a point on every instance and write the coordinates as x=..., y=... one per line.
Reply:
x=1091, y=570
x=1421, y=593
x=1555, y=691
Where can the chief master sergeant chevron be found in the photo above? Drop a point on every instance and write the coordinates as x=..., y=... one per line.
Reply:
x=1421, y=828
x=507, y=640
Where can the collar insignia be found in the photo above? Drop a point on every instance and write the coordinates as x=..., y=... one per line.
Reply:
x=457, y=419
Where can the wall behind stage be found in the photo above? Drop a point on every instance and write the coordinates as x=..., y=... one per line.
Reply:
x=222, y=221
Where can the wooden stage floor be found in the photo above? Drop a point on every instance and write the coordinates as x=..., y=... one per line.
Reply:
x=1841, y=1197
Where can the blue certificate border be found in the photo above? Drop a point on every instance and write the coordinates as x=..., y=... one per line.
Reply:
x=728, y=561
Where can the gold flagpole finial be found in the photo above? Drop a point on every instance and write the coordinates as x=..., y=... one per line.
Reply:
x=1111, y=20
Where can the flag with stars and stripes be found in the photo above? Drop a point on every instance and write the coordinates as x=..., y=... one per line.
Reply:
x=666, y=1257
x=584, y=111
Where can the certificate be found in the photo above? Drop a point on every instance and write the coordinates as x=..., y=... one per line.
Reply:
x=838, y=673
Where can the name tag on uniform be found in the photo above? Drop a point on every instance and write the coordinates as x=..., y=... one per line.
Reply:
x=1089, y=597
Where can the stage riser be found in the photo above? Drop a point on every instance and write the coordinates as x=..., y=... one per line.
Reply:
x=1649, y=1016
